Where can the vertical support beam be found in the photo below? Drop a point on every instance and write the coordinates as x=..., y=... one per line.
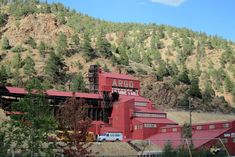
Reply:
x=189, y=150
x=224, y=147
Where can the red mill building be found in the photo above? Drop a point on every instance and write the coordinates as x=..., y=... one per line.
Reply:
x=116, y=106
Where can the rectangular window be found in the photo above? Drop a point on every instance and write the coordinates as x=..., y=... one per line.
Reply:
x=163, y=130
x=199, y=127
x=225, y=125
x=150, y=125
x=212, y=126
x=137, y=103
x=138, y=127
x=149, y=115
x=174, y=130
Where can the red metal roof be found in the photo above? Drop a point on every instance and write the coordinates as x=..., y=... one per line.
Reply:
x=123, y=98
x=16, y=90
x=155, y=120
x=200, y=137
x=119, y=76
x=70, y=94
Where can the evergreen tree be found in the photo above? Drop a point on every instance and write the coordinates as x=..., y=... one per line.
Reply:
x=31, y=42
x=183, y=75
x=105, y=68
x=5, y=43
x=62, y=44
x=29, y=65
x=228, y=84
x=2, y=18
x=42, y=48
x=55, y=69
x=162, y=71
x=3, y=75
x=103, y=46
x=34, y=125
x=17, y=79
x=124, y=59
x=173, y=69
x=88, y=51
x=75, y=41
x=168, y=150
x=194, y=89
x=209, y=93
x=78, y=84
x=17, y=61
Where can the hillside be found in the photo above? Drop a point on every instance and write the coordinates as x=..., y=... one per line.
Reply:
x=56, y=45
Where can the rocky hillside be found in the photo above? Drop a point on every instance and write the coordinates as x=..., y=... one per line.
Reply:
x=55, y=45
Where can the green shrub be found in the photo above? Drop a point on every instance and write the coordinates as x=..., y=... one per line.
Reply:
x=18, y=48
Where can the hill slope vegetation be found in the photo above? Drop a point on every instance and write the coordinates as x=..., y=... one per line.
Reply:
x=56, y=45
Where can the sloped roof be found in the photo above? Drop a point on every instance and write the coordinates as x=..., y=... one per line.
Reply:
x=70, y=94
x=22, y=91
x=16, y=90
x=138, y=98
x=119, y=76
x=200, y=137
x=155, y=120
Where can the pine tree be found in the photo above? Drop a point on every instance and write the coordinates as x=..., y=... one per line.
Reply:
x=3, y=75
x=42, y=48
x=55, y=69
x=62, y=44
x=168, y=150
x=78, y=84
x=31, y=42
x=75, y=41
x=29, y=65
x=173, y=69
x=183, y=75
x=228, y=84
x=162, y=71
x=103, y=46
x=209, y=93
x=5, y=43
x=124, y=59
x=194, y=89
x=33, y=126
x=3, y=18
x=17, y=61
x=88, y=51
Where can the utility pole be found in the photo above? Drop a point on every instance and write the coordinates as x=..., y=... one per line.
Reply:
x=190, y=119
x=190, y=112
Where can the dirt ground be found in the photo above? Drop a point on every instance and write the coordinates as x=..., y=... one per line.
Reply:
x=183, y=117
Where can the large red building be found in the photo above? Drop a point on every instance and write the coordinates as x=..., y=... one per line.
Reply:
x=117, y=106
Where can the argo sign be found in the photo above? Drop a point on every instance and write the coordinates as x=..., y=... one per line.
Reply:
x=123, y=83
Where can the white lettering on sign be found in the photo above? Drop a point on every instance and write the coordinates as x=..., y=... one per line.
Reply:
x=125, y=91
x=122, y=83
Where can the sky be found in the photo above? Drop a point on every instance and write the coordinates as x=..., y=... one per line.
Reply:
x=214, y=17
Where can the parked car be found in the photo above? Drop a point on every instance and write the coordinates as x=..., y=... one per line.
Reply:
x=110, y=136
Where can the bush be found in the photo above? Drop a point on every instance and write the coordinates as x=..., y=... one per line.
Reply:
x=18, y=48
x=3, y=18
x=141, y=71
x=5, y=43
x=30, y=41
